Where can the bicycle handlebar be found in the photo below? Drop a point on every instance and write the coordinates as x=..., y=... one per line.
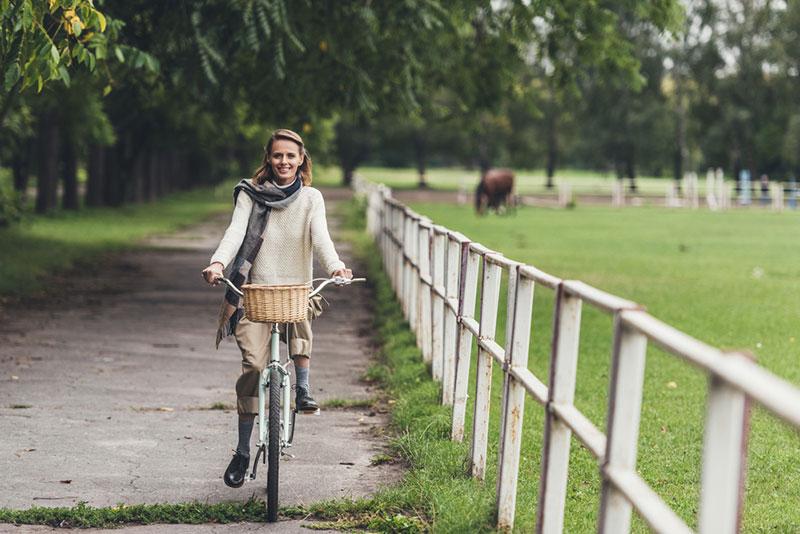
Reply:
x=338, y=280
x=230, y=285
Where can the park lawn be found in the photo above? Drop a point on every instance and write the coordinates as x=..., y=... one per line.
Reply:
x=730, y=279
x=529, y=181
x=43, y=245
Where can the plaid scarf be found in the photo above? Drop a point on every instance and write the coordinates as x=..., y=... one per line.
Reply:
x=266, y=197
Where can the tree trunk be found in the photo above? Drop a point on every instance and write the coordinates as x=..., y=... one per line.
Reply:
x=112, y=186
x=138, y=178
x=69, y=201
x=21, y=167
x=47, y=179
x=680, y=132
x=152, y=175
x=421, y=158
x=347, y=175
x=552, y=145
x=630, y=170
x=96, y=179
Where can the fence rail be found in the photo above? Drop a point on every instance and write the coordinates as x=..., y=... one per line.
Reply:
x=435, y=273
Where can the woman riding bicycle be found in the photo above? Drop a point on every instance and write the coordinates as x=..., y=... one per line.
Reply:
x=277, y=227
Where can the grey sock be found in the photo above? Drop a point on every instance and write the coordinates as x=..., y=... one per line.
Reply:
x=301, y=376
x=245, y=429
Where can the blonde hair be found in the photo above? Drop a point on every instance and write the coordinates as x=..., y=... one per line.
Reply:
x=264, y=172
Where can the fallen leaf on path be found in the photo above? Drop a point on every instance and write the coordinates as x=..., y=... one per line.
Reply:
x=153, y=409
x=66, y=481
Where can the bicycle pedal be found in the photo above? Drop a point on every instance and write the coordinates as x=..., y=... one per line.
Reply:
x=292, y=456
x=316, y=412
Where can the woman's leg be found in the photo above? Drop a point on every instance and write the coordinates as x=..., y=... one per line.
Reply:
x=300, y=343
x=252, y=339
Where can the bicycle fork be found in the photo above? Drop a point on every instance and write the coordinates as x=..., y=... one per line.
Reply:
x=287, y=416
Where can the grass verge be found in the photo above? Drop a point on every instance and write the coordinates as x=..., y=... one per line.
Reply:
x=45, y=244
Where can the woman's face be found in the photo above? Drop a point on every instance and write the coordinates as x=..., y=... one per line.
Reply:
x=285, y=158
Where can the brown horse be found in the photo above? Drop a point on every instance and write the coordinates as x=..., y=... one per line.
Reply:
x=495, y=190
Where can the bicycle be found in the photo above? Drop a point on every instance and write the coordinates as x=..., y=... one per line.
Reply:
x=276, y=428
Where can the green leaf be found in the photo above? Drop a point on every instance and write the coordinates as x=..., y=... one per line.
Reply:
x=77, y=28
x=119, y=54
x=101, y=20
x=106, y=90
x=11, y=77
x=62, y=70
x=54, y=53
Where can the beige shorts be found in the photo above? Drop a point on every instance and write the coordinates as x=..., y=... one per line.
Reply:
x=253, y=340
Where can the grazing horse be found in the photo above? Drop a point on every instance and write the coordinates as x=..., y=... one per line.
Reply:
x=494, y=190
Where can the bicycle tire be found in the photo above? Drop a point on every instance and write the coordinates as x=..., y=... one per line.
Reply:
x=274, y=445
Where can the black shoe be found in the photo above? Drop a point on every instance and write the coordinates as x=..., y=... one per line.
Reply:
x=304, y=403
x=236, y=471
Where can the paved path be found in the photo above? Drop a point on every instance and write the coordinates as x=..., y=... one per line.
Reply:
x=105, y=391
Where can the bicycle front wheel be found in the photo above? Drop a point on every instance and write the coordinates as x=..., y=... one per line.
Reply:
x=274, y=446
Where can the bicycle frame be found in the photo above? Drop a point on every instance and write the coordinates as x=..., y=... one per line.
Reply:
x=287, y=415
x=287, y=421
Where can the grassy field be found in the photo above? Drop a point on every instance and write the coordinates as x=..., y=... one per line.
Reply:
x=43, y=245
x=528, y=181
x=730, y=279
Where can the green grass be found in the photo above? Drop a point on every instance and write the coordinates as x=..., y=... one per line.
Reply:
x=41, y=246
x=730, y=279
x=435, y=489
x=82, y=516
x=529, y=181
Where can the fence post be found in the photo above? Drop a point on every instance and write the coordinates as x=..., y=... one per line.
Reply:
x=424, y=297
x=514, y=395
x=468, y=287
x=393, y=247
x=511, y=299
x=399, y=258
x=557, y=435
x=413, y=273
x=490, y=294
x=624, y=412
x=437, y=326
x=406, y=263
x=452, y=273
x=724, y=456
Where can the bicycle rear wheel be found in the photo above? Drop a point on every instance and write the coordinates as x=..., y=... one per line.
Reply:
x=274, y=445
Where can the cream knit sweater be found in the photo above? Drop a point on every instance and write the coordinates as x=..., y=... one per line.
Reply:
x=294, y=234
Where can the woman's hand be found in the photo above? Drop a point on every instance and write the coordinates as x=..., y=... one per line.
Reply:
x=213, y=273
x=344, y=273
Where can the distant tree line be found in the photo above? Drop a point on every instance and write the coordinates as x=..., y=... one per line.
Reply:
x=143, y=98
x=720, y=90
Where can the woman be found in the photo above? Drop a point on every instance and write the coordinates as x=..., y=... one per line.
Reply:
x=278, y=225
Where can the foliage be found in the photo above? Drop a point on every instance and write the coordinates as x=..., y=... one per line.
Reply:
x=10, y=204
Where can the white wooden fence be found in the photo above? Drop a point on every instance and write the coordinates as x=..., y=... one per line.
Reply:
x=434, y=272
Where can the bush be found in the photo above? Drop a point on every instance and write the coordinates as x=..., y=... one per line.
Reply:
x=10, y=205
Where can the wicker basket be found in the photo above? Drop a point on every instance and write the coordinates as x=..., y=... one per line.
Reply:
x=276, y=304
